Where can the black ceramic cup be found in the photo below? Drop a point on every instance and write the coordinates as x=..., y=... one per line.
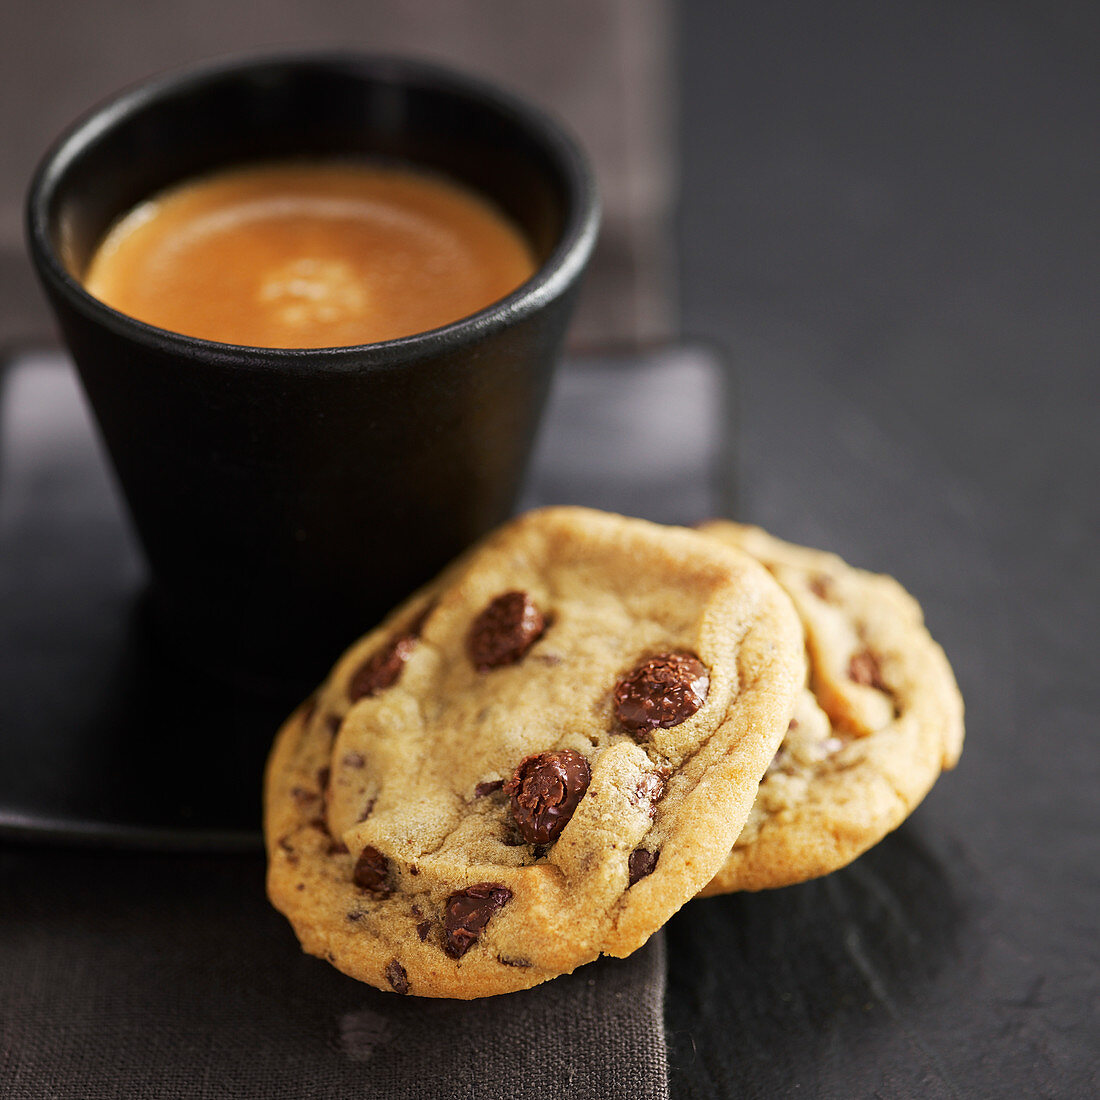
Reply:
x=287, y=499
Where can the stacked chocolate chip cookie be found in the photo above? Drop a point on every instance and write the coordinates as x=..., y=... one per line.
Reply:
x=544, y=754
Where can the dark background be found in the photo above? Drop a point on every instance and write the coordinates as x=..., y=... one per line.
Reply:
x=888, y=218
x=889, y=214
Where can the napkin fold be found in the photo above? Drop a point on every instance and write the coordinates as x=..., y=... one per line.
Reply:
x=161, y=976
x=594, y=1034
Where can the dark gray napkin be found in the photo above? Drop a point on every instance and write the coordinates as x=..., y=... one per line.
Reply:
x=139, y=976
x=605, y=66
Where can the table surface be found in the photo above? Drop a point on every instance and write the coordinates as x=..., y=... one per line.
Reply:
x=889, y=220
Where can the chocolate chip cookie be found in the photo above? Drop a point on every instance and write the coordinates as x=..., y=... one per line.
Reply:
x=879, y=719
x=537, y=759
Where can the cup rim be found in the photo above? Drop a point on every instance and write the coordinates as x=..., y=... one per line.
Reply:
x=557, y=272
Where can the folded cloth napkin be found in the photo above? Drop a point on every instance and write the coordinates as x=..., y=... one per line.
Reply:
x=605, y=66
x=167, y=976
x=596, y=1033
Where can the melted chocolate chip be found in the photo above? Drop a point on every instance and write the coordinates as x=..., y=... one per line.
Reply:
x=545, y=791
x=640, y=864
x=468, y=912
x=372, y=872
x=864, y=669
x=366, y=811
x=504, y=631
x=650, y=789
x=333, y=722
x=661, y=692
x=490, y=786
x=396, y=976
x=303, y=796
x=423, y=928
x=380, y=670
x=354, y=760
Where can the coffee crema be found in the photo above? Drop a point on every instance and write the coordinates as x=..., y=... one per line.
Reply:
x=309, y=255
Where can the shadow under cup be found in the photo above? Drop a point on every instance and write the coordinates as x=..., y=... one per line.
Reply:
x=287, y=499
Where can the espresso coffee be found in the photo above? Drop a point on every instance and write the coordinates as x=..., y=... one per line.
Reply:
x=309, y=255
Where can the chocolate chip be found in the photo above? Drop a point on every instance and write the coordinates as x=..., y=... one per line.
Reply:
x=545, y=790
x=640, y=864
x=513, y=962
x=864, y=669
x=372, y=872
x=337, y=848
x=354, y=916
x=320, y=824
x=333, y=722
x=650, y=789
x=366, y=811
x=380, y=670
x=396, y=976
x=504, y=631
x=468, y=912
x=303, y=796
x=354, y=760
x=490, y=786
x=661, y=692
x=423, y=928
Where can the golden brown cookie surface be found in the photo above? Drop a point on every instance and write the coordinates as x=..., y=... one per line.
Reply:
x=536, y=760
x=879, y=719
